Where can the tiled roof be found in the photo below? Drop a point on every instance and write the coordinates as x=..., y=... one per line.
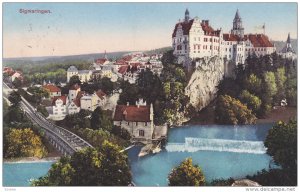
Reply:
x=186, y=26
x=51, y=88
x=132, y=113
x=230, y=37
x=259, y=40
x=63, y=98
x=101, y=61
x=123, y=69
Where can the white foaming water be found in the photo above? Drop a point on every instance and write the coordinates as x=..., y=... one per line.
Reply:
x=202, y=144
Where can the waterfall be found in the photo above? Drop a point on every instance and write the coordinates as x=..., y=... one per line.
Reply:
x=202, y=144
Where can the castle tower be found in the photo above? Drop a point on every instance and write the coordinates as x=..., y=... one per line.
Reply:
x=237, y=28
x=187, y=16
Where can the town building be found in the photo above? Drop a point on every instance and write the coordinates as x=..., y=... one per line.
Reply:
x=137, y=120
x=195, y=38
x=288, y=51
x=92, y=101
x=73, y=92
x=84, y=75
x=59, y=108
x=53, y=90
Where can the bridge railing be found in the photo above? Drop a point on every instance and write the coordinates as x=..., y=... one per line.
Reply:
x=58, y=128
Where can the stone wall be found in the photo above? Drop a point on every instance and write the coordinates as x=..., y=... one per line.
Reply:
x=202, y=87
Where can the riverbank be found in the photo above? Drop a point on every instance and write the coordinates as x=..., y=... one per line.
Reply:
x=52, y=156
x=30, y=160
x=207, y=116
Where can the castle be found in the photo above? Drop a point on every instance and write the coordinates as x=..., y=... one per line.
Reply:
x=193, y=38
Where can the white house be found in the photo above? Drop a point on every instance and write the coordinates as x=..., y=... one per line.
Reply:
x=73, y=107
x=73, y=91
x=59, y=107
x=92, y=101
x=72, y=71
x=137, y=120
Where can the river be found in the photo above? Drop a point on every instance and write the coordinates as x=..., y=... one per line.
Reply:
x=221, y=152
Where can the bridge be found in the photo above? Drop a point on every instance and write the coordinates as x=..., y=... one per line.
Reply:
x=63, y=140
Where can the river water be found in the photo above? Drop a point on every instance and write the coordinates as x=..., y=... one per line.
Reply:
x=220, y=151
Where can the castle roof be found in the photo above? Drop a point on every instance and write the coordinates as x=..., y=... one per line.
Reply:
x=132, y=113
x=237, y=15
x=186, y=26
x=257, y=40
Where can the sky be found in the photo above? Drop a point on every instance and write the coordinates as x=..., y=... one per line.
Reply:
x=81, y=28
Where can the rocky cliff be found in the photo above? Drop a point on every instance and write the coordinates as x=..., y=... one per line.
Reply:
x=202, y=87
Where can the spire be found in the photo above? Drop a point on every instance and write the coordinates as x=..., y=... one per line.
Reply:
x=237, y=15
x=288, y=39
x=187, y=15
x=105, y=56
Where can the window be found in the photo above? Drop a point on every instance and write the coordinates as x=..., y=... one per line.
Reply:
x=141, y=133
x=145, y=123
x=136, y=123
x=127, y=123
x=120, y=122
x=210, y=47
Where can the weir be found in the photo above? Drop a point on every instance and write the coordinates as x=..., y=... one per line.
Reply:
x=203, y=144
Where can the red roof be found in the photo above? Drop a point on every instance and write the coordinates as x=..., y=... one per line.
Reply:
x=230, y=37
x=51, y=88
x=101, y=61
x=63, y=98
x=75, y=87
x=186, y=26
x=123, y=69
x=259, y=40
x=132, y=113
x=77, y=102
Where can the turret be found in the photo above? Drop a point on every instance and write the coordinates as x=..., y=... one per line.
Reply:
x=237, y=28
x=187, y=16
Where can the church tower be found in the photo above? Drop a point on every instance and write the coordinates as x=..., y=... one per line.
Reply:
x=237, y=28
x=187, y=16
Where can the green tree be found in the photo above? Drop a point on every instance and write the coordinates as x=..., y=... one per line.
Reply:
x=253, y=102
x=100, y=120
x=180, y=74
x=167, y=89
x=186, y=174
x=280, y=82
x=89, y=167
x=14, y=98
x=269, y=84
x=74, y=80
x=281, y=143
x=253, y=84
x=23, y=143
x=231, y=111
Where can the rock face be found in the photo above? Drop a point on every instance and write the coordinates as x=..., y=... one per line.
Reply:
x=202, y=87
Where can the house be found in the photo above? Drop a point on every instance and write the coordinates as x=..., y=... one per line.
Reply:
x=288, y=51
x=92, y=101
x=72, y=71
x=73, y=91
x=84, y=75
x=137, y=120
x=73, y=107
x=59, y=107
x=53, y=90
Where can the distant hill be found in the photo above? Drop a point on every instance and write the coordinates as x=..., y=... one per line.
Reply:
x=17, y=62
x=159, y=50
x=280, y=44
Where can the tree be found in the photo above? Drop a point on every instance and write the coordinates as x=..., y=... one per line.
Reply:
x=89, y=167
x=100, y=120
x=186, y=174
x=280, y=82
x=23, y=143
x=269, y=84
x=253, y=84
x=231, y=111
x=253, y=102
x=74, y=80
x=17, y=83
x=14, y=98
x=281, y=143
